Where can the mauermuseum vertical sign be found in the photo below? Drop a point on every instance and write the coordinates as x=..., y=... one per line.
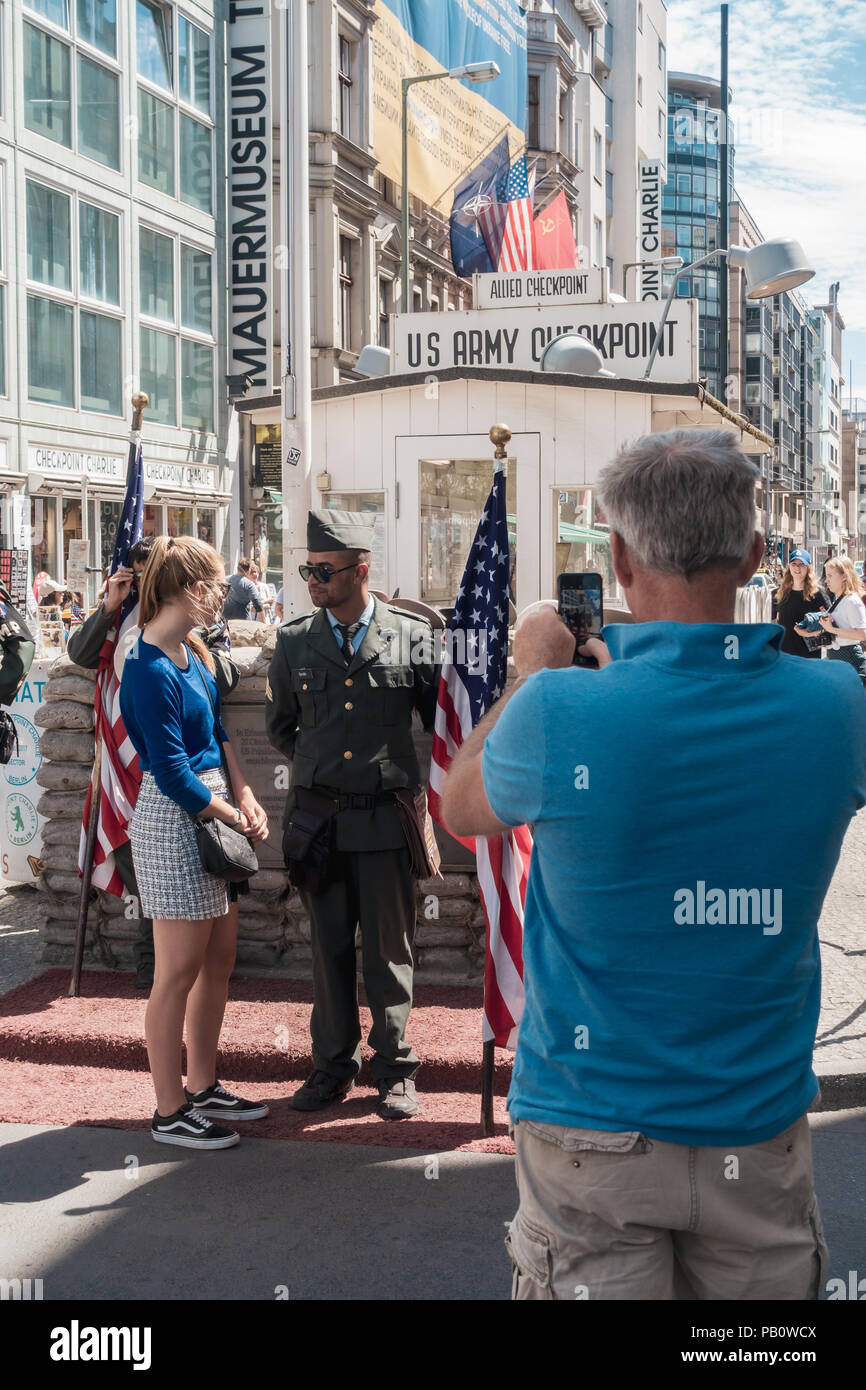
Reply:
x=650, y=228
x=250, y=212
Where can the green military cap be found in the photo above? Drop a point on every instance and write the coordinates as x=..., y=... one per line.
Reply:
x=333, y=530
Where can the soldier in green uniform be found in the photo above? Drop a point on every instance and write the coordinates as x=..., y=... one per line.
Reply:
x=341, y=689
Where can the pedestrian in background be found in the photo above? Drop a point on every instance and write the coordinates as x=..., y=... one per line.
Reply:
x=799, y=594
x=848, y=621
x=170, y=704
x=242, y=594
x=671, y=959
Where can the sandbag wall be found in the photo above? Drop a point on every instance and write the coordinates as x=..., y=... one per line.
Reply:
x=273, y=930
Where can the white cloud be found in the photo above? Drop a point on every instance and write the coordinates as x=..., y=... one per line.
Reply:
x=800, y=128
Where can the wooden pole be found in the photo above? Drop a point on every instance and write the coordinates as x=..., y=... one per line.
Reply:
x=87, y=873
x=500, y=436
x=139, y=401
x=487, y=1067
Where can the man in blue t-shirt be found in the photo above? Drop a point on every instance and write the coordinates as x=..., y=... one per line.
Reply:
x=672, y=974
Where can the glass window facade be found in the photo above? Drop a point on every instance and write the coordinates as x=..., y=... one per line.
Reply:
x=49, y=240
x=98, y=120
x=97, y=24
x=50, y=351
x=691, y=218
x=47, y=86
x=153, y=43
x=155, y=142
x=159, y=375
x=156, y=274
x=99, y=253
x=101, y=358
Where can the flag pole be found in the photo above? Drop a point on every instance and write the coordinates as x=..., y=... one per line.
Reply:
x=499, y=435
x=139, y=401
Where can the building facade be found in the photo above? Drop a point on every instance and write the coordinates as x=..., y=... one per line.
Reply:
x=691, y=205
x=113, y=253
x=594, y=114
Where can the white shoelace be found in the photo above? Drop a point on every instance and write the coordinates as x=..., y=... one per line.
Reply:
x=199, y=1118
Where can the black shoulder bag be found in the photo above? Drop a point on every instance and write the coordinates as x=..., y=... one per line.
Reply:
x=822, y=638
x=223, y=851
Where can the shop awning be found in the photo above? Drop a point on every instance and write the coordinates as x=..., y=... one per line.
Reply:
x=582, y=535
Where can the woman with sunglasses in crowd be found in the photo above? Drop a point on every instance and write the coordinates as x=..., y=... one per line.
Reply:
x=170, y=704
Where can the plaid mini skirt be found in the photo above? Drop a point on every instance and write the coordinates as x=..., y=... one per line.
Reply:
x=171, y=880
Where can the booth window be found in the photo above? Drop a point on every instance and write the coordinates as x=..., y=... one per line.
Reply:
x=373, y=505
x=453, y=494
x=583, y=540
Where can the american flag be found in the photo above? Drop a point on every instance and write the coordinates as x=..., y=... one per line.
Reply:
x=119, y=772
x=507, y=222
x=479, y=633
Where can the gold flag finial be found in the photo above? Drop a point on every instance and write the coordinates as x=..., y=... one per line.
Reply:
x=139, y=401
x=500, y=435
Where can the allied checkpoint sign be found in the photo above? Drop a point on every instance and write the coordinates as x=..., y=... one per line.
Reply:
x=516, y=338
x=451, y=124
x=520, y=287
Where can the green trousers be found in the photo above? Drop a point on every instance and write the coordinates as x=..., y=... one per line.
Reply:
x=373, y=889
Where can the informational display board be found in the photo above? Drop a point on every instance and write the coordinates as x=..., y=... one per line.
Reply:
x=522, y=287
x=14, y=568
x=76, y=567
x=266, y=769
x=623, y=333
x=20, y=822
x=269, y=464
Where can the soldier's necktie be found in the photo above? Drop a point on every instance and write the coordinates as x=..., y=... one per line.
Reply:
x=348, y=632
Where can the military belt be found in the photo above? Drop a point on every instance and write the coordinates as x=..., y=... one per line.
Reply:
x=355, y=801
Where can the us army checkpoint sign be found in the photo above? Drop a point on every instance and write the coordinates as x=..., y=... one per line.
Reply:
x=516, y=338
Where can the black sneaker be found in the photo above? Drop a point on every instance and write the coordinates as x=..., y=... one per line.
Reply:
x=320, y=1090
x=216, y=1100
x=192, y=1130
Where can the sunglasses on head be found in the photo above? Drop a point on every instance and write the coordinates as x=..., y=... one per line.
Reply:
x=322, y=572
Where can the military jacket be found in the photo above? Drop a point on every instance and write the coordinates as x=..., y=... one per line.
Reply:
x=349, y=728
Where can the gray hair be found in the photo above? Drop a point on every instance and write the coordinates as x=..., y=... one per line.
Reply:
x=683, y=501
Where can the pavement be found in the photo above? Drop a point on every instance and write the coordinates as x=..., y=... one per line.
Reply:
x=94, y=1213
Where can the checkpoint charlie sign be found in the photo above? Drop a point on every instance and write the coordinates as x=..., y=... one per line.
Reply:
x=623, y=333
x=590, y=286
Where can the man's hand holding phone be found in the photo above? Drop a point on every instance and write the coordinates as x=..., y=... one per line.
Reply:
x=543, y=641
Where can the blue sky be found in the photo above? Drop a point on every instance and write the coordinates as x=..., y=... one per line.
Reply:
x=799, y=108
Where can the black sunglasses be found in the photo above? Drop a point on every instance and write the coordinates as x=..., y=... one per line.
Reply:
x=322, y=572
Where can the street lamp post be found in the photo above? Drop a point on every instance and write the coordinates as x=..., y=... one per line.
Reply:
x=472, y=72
x=771, y=267
x=669, y=262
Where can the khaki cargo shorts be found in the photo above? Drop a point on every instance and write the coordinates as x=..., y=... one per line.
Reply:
x=605, y=1215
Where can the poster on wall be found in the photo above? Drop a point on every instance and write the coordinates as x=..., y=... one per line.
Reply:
x=14, y=568
x=20, y=822
x=451, y=123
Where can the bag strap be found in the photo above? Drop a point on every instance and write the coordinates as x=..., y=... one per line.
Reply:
x=194, y=658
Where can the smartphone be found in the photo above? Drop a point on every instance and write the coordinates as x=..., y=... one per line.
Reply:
x=581, y=609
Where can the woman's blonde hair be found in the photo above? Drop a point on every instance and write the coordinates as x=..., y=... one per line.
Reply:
x=811, y=587
x=173, y=566
x=850, y=577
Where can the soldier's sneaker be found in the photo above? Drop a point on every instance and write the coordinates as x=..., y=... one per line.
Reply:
x=191, y=1130
x=216, y=1100
x=397, y=1099
x=320, y=1090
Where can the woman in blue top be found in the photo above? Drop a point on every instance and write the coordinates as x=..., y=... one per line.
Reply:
x=170, y=706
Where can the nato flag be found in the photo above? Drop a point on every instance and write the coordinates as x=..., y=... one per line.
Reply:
x=468, y=248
